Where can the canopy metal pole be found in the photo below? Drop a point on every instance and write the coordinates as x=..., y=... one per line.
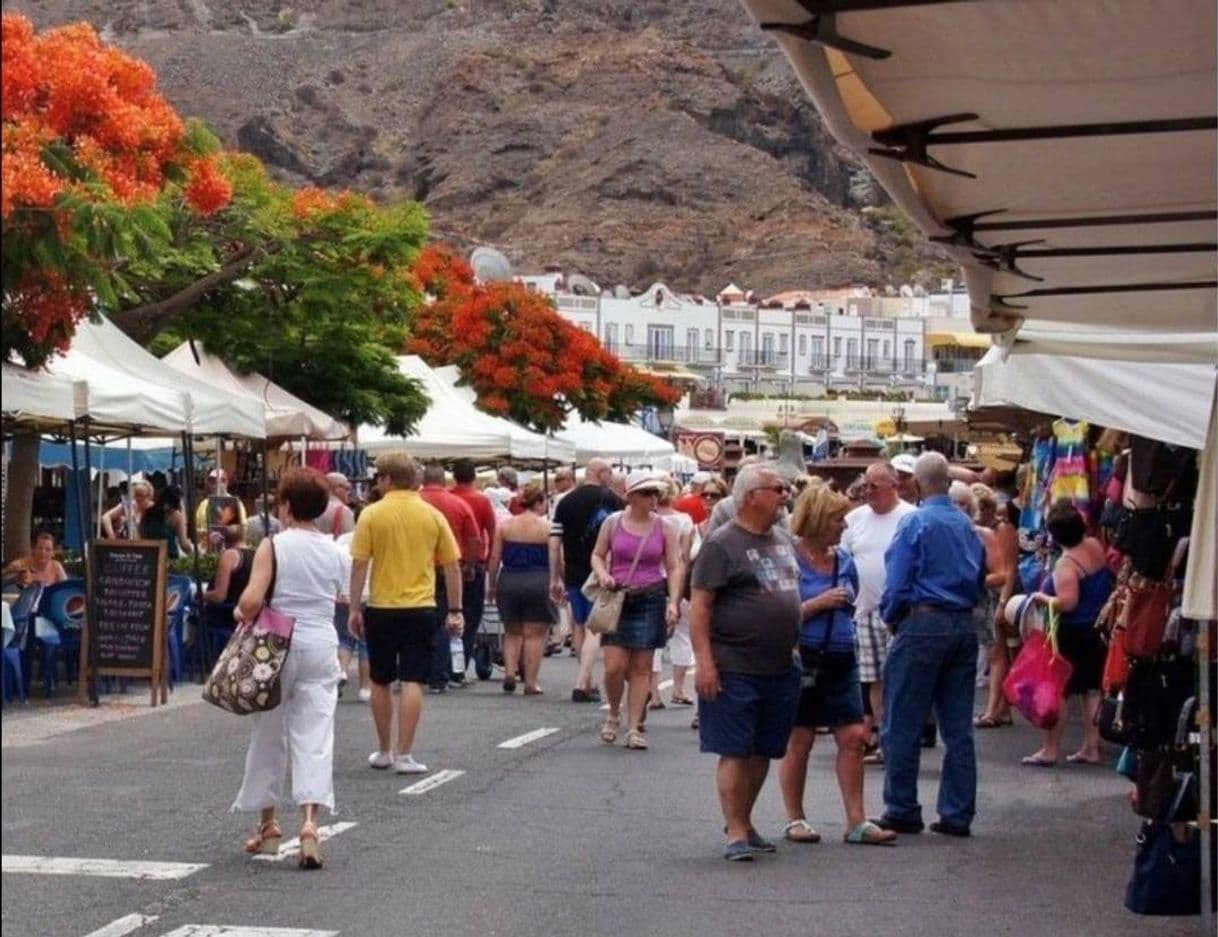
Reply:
x=132, y=533
x=188, y=456
x=90, y=638
x=95, y=521
x=266, y=523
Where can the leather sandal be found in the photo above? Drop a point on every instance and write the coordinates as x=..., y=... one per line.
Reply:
x=266, y=840
x=800, y=831
x=609, y=729
x=636, y=740
x=310, y=851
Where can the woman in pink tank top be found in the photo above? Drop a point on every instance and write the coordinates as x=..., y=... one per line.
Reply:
x=635, y=550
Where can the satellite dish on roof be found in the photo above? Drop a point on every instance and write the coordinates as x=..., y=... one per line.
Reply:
x=490, y=265
x=621, y=291
x=580, y=285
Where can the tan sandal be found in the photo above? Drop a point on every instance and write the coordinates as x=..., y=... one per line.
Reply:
x=310, y=851
x=636, y=740
x=609, y=729
x=266, y=841
x=801, y=831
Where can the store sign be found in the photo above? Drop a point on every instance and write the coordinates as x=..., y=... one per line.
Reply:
x=704, y=448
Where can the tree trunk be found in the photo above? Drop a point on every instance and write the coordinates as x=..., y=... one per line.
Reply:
x=19, y=494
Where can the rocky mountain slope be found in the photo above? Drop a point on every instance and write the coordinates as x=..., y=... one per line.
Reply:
x=629, y=141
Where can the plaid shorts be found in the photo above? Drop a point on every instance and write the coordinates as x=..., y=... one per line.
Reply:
x=871, y=639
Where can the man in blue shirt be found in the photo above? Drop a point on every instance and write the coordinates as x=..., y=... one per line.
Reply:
x=935, y=575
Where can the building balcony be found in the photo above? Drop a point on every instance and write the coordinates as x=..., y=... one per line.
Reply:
x=764, y=360
x=643, y=354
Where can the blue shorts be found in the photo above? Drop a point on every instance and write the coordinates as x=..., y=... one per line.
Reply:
x=580, y=605
x=346, y=641
x=752, y=715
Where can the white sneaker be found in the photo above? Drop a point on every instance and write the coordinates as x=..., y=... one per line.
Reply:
x=365, y=694
x=406, y=764
x=380, y=760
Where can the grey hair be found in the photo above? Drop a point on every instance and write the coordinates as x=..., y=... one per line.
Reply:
x=932, y=474
x=962, y=494
x=747, y=479
x=433, y=474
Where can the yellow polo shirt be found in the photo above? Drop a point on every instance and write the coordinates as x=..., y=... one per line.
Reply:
x=406, y=538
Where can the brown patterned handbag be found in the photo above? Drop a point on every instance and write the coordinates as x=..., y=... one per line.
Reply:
x=245, y=679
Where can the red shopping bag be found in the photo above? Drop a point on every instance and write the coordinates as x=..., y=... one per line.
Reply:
x=1036, y=685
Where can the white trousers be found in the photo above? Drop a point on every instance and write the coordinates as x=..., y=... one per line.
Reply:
x=300, y=730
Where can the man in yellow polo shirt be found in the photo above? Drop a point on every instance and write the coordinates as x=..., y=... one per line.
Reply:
x=406, y=540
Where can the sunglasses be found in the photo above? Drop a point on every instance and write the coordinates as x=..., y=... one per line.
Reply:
x=711, y=496
x=777, y=489
x=647, y=492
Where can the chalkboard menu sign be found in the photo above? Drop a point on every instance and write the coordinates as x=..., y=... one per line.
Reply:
x=126, y=634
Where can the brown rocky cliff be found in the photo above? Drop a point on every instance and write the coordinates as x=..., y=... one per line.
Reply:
x=627, y=141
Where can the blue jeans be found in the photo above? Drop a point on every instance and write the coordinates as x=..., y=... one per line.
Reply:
x=931, y=663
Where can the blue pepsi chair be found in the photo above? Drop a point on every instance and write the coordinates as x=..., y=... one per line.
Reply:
x=178, y=601
x=13, y=666
x=63, y=605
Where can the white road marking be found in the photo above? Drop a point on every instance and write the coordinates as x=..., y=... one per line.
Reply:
x=123, y=926
x=104, y=868
x=522, y=740
x=224, y=930
x=291, y=847
x=431, y=783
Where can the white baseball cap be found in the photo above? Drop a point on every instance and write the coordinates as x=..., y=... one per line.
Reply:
x=701, y=478
x=903, y=462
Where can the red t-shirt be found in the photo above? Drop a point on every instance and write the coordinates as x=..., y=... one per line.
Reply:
x=484, y=514
x=460, y=518
x=694, y=506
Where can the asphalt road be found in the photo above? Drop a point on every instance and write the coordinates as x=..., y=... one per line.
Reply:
x=561, y=836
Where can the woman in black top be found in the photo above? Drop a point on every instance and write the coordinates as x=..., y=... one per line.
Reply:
x=233, y=571
x=164, y=520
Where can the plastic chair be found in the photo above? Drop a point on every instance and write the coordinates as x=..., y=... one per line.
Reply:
x=14, y=663
x=63, y=605
x=178, y=601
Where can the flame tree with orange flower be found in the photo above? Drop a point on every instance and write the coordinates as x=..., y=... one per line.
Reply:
x=113, y=205
x=524, y=360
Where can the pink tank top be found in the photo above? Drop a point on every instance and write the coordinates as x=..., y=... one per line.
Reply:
x=622, y=547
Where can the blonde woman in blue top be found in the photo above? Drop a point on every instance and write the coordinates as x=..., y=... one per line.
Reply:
x=830, y=694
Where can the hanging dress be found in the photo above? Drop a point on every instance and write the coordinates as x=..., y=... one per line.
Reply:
x=1071, y=477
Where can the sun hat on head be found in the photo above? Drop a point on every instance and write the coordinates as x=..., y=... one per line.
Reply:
x=700, y=478
x=640, y=480
x=903, y=462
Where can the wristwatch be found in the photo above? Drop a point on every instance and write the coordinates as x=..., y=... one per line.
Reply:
x=455, y=611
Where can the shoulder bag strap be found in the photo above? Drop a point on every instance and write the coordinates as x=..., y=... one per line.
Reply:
x=639, y=552
x=270, y=589
x=824, y=646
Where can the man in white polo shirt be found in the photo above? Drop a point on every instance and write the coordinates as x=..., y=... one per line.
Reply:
x=869, y=531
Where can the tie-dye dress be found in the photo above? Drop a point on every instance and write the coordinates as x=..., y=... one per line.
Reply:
x=1071, y=477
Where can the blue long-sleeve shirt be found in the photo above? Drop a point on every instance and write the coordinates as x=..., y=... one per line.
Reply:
x=935, y=557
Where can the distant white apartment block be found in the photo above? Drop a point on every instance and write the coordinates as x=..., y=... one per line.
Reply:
x=799, y=342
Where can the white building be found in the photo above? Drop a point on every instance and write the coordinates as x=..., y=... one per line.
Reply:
x=795, y=342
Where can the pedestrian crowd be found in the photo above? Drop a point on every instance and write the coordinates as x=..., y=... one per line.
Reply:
x=797, y=610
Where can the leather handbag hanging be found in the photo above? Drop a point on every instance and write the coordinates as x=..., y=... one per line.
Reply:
x=245, y=679
x=1145, y=610
x=607, y=604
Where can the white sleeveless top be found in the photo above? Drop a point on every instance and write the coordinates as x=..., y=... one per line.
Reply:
x=309, y=573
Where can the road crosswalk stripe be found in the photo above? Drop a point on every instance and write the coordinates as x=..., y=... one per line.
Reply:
x=123, y=925
x=104, y=868
x=430, y=783
x=521, y=740
x=223, y=930
x=291, y=847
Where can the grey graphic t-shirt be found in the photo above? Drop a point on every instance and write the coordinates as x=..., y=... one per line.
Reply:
x=755, y=618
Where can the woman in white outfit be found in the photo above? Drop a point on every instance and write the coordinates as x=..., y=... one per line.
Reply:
x=301, y=581
x=680, y=649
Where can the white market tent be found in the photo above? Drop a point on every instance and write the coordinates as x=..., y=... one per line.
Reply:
x=130, y=387
x=451, y=428
x=41, y=398
x=620, y=443
x=286, y=414
x=526, y=445
x=1064, y=153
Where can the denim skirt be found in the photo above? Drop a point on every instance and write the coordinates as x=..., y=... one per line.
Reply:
x=641, y=627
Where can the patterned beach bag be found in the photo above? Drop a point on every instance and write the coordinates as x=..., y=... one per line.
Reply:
x=245, y=679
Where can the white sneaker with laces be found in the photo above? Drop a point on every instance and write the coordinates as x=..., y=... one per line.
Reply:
x=380, y=760
x=365, y=694
x=406, y=764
